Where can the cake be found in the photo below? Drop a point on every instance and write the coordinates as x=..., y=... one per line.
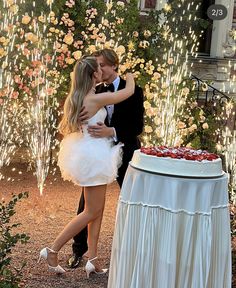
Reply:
x=181, y=161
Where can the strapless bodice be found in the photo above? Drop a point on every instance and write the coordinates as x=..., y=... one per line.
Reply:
x=100, y=116
x=87, y=160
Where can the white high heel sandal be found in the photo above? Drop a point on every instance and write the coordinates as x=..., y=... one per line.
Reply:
x=89, y=268
x=44, y=254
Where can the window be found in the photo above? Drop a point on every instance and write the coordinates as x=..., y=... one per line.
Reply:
x=150, y=4
x=234, y=16
x=205, y=40
x=146, y=5
x=234, y=27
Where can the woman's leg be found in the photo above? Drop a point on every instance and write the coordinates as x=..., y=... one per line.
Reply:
x=80, y=246
x=94, y=228
x=94, y=205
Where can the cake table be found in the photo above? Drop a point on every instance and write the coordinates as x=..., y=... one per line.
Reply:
x=171, y=232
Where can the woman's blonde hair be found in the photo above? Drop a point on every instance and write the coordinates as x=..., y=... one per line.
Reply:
x=81, y=84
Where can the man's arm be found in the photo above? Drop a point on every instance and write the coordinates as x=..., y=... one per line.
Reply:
x=130, y=124
x=101, y=130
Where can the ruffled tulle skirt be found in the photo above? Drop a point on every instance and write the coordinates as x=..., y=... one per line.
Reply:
x=88, y=161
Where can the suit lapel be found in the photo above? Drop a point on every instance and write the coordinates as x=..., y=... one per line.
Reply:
x=121, y=86
x=101, y=88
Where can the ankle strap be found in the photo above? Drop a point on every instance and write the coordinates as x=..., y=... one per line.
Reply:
x=52, y=251
x=93, y=259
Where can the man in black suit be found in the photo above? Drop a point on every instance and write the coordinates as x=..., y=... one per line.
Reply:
x=124, y=123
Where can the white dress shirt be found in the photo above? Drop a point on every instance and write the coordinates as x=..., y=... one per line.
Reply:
x=110, y=108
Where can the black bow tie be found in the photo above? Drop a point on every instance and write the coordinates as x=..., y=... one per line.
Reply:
x=110, y=87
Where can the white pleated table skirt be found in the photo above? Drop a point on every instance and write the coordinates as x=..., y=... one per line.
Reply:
x=162, y=241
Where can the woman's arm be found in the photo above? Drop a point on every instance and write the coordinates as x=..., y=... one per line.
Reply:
x=108, y=98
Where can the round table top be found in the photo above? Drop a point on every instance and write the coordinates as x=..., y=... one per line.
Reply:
x=192, y=195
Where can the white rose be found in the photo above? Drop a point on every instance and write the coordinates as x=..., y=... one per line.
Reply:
x=148, y=129
x=70, y=61
x=147, y=105
x=120, y=49
x=181, y=125
x=26, y=19
x=77, y=54
x=68, y=39
x=31, y=37
x=120, y=3
x=205, y=126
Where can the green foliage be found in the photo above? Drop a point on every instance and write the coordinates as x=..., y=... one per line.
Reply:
x=233, y=219
x=153, y=46
x=154, y=36
x=10, y=276
x=202, y=121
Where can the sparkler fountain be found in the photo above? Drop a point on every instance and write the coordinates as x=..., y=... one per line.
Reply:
x=37, y=82
x=168, y=93
x=42, y=106
x=168, y=90
x=9, y=107
x=229, y=151
x=168, y=96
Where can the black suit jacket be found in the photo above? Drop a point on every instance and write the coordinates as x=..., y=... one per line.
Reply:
x=127, y=119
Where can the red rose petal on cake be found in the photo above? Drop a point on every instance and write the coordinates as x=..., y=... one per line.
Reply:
x=179, y=153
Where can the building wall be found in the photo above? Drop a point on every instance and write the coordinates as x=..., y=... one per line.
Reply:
x=220, y=65
x=214, y=65
x=221, y=44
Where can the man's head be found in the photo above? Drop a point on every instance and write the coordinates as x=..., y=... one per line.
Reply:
x=109, y=62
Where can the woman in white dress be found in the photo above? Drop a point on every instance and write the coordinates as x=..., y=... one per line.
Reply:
x=87, y=161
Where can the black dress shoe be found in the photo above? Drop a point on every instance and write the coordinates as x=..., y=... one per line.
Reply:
x=74, y=260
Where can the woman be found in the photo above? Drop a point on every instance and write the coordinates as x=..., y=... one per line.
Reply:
x=87, y=161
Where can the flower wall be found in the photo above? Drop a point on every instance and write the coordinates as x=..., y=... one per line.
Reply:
x=38, y=50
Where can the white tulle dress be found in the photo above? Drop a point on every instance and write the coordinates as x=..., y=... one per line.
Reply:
x=89, y=161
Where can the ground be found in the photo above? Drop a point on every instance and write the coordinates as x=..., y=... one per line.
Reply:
x=42, y=217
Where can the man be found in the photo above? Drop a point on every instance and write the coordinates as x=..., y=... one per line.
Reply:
x=124, y=123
